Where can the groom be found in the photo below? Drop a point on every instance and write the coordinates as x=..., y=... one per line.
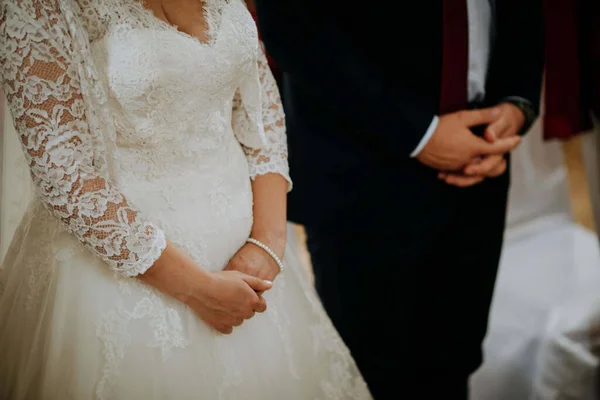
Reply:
x=398, y=123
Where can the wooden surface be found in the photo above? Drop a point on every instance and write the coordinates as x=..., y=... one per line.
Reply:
x=578, y=186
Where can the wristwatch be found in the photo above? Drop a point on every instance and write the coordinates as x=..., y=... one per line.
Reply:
x=528, y=111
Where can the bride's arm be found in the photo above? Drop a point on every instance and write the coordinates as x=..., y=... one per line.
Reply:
x=272, y=158
x=41, y=77
x=43, y=85
x=270, y=192
x=269, y=166
x=269, y=172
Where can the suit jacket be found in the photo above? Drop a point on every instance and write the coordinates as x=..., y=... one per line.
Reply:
x=361, y=86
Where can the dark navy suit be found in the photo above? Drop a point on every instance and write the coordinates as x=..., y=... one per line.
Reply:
x=404, y=263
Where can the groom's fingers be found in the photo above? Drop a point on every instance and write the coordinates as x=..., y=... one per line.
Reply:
x=498, y=170
x=462, y=180
x=486, y=167
x=482, y=116
x=500, y=146
x=497, y=129
x=474, y=173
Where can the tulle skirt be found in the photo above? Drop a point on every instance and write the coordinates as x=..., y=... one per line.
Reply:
x=71, y=329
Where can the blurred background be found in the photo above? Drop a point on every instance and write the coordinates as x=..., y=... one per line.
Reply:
x=544, y=334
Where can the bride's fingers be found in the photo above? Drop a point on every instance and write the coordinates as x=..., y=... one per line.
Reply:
x=247, y=314
x=224, y=329
x=261, y=304
x=217, y=320
x=217, y=325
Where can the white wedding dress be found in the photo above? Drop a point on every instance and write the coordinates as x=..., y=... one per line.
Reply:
x=116, y=108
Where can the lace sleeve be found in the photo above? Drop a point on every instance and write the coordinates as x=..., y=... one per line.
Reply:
x=43, y=85
x=273, y=158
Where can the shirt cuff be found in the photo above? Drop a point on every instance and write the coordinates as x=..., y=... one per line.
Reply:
x=428, y=134
x=515, y=98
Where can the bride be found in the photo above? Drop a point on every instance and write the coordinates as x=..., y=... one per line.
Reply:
x=155, y=138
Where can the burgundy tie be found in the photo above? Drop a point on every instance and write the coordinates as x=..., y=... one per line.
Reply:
x=455, y=56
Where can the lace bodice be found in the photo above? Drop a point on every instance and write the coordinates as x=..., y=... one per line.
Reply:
x=76, y=104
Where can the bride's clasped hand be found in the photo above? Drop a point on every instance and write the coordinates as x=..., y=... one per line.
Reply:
x=252, y=260
x=222, y=299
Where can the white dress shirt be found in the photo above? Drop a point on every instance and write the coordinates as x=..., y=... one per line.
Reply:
x=480, y=35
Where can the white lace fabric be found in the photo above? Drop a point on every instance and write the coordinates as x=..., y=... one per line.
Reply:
x=115, y=107
x=275, y=160
x=58, y=104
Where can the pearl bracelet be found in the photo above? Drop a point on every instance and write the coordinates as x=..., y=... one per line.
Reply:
x=268, y=250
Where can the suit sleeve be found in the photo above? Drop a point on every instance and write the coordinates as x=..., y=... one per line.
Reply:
x=319, y=56
x=517, y=62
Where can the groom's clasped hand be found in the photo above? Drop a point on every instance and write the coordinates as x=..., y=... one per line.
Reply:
x=464, y=158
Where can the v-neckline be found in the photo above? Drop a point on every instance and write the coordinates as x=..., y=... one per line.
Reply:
x=212, y=32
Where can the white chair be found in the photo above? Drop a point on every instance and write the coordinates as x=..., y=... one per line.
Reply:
x=546, y=290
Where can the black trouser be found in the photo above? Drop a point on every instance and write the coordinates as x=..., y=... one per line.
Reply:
x=412, y=304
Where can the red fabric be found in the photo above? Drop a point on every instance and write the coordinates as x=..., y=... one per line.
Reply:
x=566, y=115
x=591, y=55
x=455, y=56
